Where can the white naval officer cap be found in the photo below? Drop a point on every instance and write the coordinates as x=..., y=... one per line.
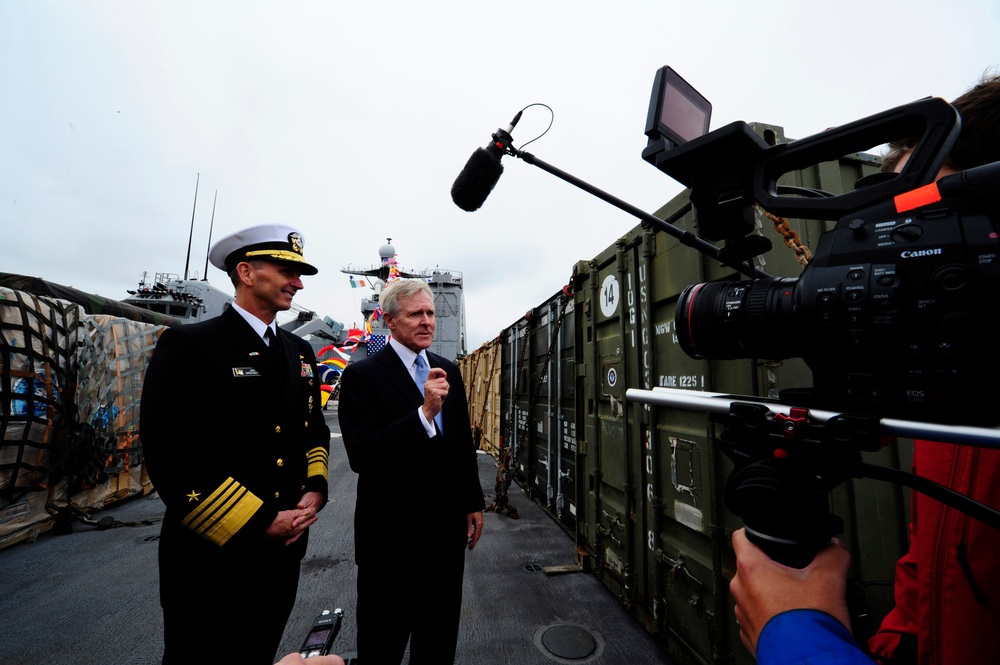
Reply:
x=270, y=242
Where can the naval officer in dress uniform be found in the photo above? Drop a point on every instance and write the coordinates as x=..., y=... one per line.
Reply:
x=237, y=447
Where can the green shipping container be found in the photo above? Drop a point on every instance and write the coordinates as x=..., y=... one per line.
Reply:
x=654, y=518
x=538, y=391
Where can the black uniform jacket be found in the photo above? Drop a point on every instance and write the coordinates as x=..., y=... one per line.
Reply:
x=230, y=438
x=414, y=492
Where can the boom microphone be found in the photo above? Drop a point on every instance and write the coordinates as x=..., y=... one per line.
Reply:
x=482, y=171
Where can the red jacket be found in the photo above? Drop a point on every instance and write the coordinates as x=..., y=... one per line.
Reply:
x=947, y=588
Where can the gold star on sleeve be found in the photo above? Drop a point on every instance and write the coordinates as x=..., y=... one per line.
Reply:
x=193, y=496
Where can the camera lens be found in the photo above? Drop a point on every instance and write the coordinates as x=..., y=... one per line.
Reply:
x=731, y=320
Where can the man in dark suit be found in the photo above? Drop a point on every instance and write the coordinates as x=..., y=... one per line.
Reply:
x=419, y=503
x=236, y=445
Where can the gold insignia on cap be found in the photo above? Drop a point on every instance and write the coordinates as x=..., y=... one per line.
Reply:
x=295, y=240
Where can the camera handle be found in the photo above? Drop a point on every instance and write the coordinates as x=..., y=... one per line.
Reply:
x=785, y=467
x=788, y=459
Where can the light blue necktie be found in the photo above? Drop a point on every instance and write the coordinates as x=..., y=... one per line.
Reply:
x=421, y=379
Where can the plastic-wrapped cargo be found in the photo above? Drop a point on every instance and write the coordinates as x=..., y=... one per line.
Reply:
x=70, y=385
x=38, y=344
x=113, y=355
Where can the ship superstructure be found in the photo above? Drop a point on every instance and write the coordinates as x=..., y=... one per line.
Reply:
x=188, y=300
x=449, y=302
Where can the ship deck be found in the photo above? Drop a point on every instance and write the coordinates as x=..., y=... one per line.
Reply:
x=90, y=597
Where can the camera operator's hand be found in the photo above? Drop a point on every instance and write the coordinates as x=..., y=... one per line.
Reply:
x=763, y=588
x=296, y=659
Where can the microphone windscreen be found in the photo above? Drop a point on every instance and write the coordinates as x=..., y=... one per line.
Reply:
x=476, y=180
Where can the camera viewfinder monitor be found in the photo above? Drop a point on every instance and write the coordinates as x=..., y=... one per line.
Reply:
x=677, y=112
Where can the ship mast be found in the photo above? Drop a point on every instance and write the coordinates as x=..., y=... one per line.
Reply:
x=211, y=225
x=187, y=261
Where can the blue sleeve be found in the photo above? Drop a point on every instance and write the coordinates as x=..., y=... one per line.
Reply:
x=808, y=636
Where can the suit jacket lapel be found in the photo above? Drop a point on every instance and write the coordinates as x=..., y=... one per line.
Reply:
x=238, y=333
x=398, y=376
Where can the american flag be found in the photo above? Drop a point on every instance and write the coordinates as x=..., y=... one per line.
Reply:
x=376, y=343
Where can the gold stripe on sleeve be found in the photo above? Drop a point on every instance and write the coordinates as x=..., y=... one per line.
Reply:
x=223, y=513
x=318, y=460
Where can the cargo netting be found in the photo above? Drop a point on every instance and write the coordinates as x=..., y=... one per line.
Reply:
x=38, y=340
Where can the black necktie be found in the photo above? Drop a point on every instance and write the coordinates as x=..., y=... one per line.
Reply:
x=276, y=359
x=273, y=346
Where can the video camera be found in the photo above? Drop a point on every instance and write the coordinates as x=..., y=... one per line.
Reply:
x=893, y=315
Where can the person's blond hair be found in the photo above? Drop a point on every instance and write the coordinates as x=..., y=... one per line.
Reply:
x=401, y=289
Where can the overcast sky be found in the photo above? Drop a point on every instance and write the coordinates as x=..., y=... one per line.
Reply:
x=351, y=120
